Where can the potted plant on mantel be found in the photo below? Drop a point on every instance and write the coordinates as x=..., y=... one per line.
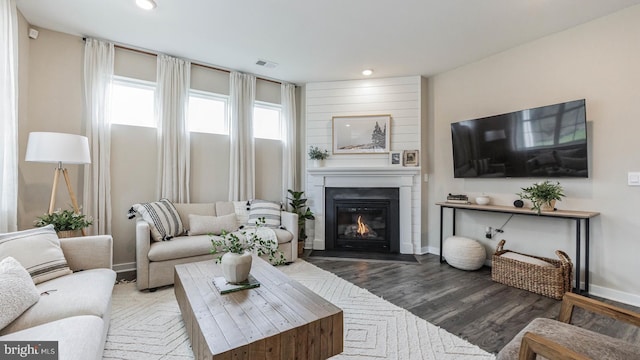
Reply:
x=543, y=195
x=317, y=155
x=236, y=252
x=67, y=223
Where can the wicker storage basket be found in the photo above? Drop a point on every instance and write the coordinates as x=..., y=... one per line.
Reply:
x=552, y=281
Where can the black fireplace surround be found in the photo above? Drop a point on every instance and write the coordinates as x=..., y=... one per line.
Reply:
x=362, y=219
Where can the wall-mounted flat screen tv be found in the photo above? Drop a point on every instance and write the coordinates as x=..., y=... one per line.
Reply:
x=548, y=141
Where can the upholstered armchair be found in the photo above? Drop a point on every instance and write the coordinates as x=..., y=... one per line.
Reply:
x=558, y=339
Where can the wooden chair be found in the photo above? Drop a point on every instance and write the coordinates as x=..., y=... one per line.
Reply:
x=558, y=339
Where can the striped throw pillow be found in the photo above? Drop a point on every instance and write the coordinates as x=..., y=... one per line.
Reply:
x=38, y=250
x=268, y=210
x=163, y=219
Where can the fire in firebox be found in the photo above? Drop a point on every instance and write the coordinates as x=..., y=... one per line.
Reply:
x=360, y=230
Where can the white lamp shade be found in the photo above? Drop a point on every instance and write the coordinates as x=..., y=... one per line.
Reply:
x=51, y=147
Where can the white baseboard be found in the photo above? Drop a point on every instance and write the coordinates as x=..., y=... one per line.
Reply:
x=615, y=295
x=123, y=267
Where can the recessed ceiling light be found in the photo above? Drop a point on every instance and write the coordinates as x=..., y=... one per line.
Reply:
x=367, y=72
x=146, y=4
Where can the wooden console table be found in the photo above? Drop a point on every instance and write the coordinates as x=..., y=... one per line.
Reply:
x=578, y=216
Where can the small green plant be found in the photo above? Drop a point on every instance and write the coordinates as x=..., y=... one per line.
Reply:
x=316, y=154
x=542, y=193
x=64, y=220
x=298, y=204
x=231, y=242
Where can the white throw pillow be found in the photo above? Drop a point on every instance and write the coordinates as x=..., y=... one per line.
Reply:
x=38, y=250
x=268, y=210
x=202, y=224
x=163, y=218
x=18, y=291
x=241, y=208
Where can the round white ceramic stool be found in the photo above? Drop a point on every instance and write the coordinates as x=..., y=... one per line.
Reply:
x=464, y=253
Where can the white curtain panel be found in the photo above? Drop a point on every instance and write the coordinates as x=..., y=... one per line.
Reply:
x=98, y=80
x=8, y=116
x=288, y=132
x=172, y=100
x=241, y=152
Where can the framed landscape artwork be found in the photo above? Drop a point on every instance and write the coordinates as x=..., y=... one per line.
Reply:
x=366, y=134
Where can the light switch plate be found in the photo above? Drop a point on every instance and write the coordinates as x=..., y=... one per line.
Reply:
x=633, y=178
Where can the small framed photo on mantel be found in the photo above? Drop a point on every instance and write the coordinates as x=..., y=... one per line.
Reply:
x=410, y=158
x=395, y=158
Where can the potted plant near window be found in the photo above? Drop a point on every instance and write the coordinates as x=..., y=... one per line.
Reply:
x=317, y=155
x=67, y=223
x=543, y=195
x=235, y=251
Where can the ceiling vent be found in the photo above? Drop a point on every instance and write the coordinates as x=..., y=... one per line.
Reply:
x=266, y=63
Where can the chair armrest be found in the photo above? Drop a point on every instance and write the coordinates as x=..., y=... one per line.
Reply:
x=290, y=222
x=143, y=245
x=571, y=300
x=533, y=345
x=88, y=252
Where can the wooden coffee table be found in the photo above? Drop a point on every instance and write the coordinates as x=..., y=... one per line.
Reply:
x=281, y=319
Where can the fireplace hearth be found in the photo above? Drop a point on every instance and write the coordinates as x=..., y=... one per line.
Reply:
x=362, y=219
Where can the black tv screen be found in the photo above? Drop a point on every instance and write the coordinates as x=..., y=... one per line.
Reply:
x=548, y=141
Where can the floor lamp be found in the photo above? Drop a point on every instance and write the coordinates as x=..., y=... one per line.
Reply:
x=59, y=148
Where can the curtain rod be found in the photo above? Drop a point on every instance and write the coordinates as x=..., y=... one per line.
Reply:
x=193, y=63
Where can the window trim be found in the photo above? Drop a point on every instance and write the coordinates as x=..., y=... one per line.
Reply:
x=135, y=83
x=268, y=106
x=213, y=96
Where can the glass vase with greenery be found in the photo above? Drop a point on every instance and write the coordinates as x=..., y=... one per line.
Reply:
x=542, y=194
x=64, y=220
x=315, y=153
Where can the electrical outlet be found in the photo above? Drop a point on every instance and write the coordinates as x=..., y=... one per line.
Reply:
x=488, y=232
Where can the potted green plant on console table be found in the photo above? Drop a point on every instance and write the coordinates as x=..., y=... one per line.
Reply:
x=543, y=195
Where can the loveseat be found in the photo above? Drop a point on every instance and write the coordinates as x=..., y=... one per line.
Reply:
x=72, y=299
x=156, y=259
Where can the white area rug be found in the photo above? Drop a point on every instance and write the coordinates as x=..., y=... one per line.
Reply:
x=149, y=325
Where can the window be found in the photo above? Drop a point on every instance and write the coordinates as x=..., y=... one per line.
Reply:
x=266, y=121
x=207, y=113
x=132, y=102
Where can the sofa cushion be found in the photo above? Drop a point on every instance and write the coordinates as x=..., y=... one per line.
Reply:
x=18, y=290
x=82, y=293
x=241, y=209
x=163, y=218
x=38, y=250
x=78, y=337
x=203, y=225
x=180, y=247
x=184, y=209
x=268, y=210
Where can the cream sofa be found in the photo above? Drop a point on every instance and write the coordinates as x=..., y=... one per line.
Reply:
x=155, y=260
x=73, y=309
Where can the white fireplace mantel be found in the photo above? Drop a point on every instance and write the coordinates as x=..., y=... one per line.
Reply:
x=403, y=178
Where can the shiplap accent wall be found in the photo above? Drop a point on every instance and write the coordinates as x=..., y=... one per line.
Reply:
x=398, y=97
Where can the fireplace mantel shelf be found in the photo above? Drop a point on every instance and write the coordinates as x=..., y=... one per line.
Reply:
x=377, y=170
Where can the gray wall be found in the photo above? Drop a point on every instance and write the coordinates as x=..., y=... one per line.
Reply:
x=597, y=61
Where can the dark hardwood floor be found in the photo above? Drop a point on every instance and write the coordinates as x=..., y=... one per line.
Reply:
x=465, y=303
